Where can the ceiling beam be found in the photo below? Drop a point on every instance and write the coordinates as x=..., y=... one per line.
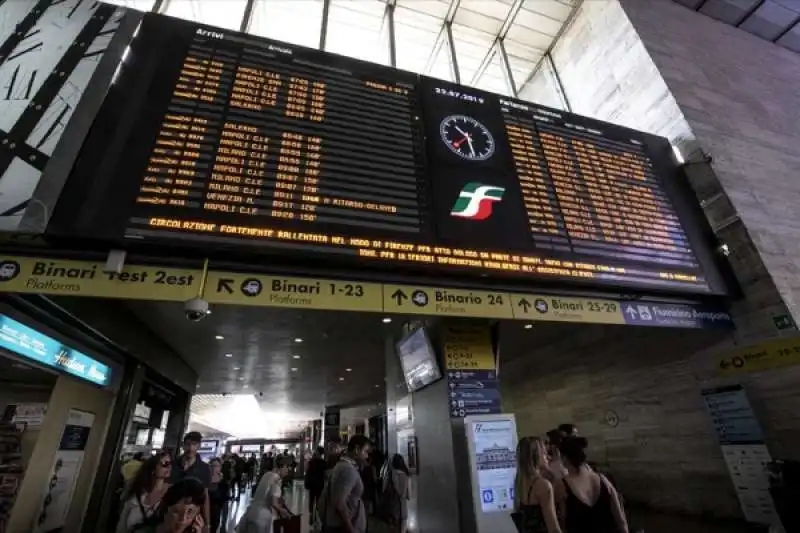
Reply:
x=501, y=34
x=248, y=16
x=700, y=5
x=553, y=43
x=323, y=30
x=747, y=14
x=389, y=18
x=788, y=28
x=157, y=6
x=451, y=45
x=512, y=86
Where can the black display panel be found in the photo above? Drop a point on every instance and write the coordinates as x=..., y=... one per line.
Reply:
x=218, y=141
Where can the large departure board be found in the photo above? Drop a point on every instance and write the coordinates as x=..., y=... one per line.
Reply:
x=216, y=141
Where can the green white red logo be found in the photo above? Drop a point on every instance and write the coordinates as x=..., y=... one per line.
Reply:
x=475, y=201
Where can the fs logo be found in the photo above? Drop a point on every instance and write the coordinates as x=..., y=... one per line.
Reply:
x=475, y=201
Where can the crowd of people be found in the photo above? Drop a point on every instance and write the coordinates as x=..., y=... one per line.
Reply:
x=556, y=491
x=163, y=494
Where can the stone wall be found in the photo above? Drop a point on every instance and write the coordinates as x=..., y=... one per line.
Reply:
x=740, y=96
x=636, y=394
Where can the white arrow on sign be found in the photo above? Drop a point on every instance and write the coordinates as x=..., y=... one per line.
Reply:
x=631, y=312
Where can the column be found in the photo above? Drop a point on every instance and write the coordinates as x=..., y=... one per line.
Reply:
x=332, y=421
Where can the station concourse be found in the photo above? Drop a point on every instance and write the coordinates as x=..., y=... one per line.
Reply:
x=446, y=225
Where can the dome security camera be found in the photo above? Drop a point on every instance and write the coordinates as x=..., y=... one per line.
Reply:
x=195, y=309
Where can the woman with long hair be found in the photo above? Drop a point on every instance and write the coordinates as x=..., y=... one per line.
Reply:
x=534, y=503
x=145, y=492
x=396, y=493
x=588, y=501
x=179, y=511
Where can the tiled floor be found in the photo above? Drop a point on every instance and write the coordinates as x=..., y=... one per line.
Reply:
x=295, y=498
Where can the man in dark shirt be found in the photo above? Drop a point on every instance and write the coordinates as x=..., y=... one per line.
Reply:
x=191, y=465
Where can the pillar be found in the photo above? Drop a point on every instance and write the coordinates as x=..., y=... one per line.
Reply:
x=332, y=421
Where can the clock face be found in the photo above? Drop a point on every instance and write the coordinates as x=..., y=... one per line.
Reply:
x=467, y=138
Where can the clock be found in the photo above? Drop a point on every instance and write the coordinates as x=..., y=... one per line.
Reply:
x=467, y=138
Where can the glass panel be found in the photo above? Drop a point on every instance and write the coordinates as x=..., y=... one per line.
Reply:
x=433, y=8
x=357, y=29
x=141, y=5
x=543, y=88
x=471, y=47
x=415, y=34
x=292, y=21
x=227, y=14
x=479, y=20
x=441, y=65
x=493, y=78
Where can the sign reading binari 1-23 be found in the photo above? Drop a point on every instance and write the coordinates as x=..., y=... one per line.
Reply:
x=215, y=137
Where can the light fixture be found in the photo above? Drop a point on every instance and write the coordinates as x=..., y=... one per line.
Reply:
x=246, y=386
x=208, y=311
x=294, y=369
x=348, y=369
x=228, y=355
x=298, y=339
x=387, y=320
x=241, y=379
x=236, y=368
x=377, y=386
x=295, y=357
x=528, y=326
x=219, y=337
x=341, y=379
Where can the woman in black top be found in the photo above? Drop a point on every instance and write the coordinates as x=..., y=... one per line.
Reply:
x=217, y=494
x=587, y=501
x=534, y=506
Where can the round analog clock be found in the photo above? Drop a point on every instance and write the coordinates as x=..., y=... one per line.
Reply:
x=467, y=138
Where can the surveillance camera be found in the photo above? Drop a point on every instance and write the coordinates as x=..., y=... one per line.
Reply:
x=195, y=309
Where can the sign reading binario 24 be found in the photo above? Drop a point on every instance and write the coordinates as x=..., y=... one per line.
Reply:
x=31, y=344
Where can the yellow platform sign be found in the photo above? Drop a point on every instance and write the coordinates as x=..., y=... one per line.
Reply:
x=766, y=356
x=419, y=300
x=86, y=278
x=550, y=308
x=468, y=348
x=297, y=293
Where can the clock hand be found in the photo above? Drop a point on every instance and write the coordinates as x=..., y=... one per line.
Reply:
x=471, y=148
x=456, y=144
x=462, y=132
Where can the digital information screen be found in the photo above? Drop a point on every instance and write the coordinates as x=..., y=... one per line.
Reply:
x=218, y=140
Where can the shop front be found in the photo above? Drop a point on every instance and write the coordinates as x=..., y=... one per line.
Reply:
x=57, y=397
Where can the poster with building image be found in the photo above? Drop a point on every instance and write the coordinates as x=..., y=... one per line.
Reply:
x=58, y=492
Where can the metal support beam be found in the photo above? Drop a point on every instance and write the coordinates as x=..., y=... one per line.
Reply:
x=485, y=62
x=512, y=86
x=323, y=31
x=501, y=34
x=749, y=12
x=392, y=41
x=559, y=85
x=248, y=16
x=159, y=6
x=699, y=6
x=452, y=50
x=789, y=28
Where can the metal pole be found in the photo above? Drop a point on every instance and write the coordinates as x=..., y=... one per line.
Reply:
x=247, y=17
x=392, y=42
x=512, y=86
x=160, y=6
x=323, y=32
x=559, y=85
x=452, y=49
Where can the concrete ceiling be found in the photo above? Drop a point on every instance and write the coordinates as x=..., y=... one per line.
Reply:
x=264, y=372
x=777, y=21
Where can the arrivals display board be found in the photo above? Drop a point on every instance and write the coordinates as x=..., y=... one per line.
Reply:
x=214, y=140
